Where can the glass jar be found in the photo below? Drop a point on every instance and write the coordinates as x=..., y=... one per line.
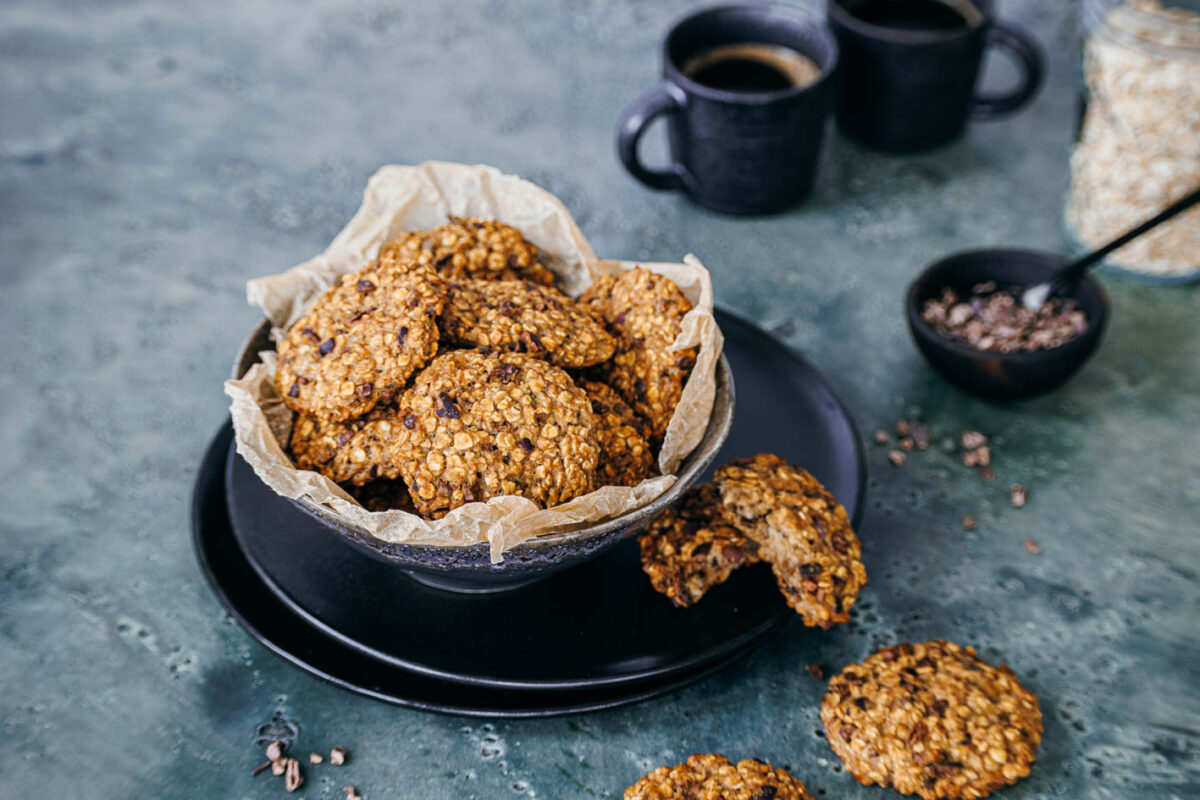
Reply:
x=1139, y=140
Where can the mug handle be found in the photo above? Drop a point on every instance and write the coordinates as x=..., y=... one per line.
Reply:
x=634, y=122
x=1029, y=61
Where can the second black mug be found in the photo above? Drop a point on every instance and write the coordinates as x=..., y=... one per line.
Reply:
x=909, y=68
x=742, y=140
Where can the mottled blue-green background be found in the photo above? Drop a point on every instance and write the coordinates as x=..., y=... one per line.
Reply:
x=155, y=156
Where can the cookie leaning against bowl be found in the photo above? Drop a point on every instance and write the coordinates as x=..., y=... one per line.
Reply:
x=360, y=341
x=710, y=776
x=933, y=719
x=645, y=310
x=689, y=548
x=524, y=317
x=349, y=451
x=476, y=425
x=801, y=531
x=625, y=455
x=470, y=247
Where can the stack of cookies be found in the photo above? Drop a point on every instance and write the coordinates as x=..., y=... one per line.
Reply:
x=451, y=370
x=759, y=508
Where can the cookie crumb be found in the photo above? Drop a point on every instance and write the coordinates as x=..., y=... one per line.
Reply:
x=275, y=750
x=1032, y=546
x=337, y=757
x=896, y=457
x=902, y=428
x=351, y=793
x=1018, y=494
x=881, y=437
x=907, y=443
x=278, y=766
x=816, y=670
x=969, y=523
x=315, y=758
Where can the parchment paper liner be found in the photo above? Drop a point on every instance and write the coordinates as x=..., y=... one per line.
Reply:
x=407, y=198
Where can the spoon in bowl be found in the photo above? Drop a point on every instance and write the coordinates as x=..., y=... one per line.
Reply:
x=1033, y=297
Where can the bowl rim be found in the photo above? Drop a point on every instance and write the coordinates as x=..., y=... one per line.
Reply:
x=715, y=435
x=918, y=324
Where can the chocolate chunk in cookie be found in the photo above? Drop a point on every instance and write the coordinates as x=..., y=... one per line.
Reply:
x=625, y=455
x=351, y=451
x=801, y=531
x=690, y=549
x=710, y=776
x=524, y=317
x=470, y=248
x=645, y=311
x=934, y=719
x=476, y=425
x=360, y=342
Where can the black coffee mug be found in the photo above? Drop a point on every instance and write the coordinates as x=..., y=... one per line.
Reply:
x=905, y=88
x=735, y=151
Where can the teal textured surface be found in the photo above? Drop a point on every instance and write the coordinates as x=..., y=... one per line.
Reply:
x=153, y=157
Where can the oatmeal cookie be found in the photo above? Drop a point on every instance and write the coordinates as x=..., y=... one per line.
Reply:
x=348, y=451
x=933, y=719
x=801, y=530
x=710, y=776
x=470, y=247
x=360, y=342
x=524, y=317
x=645, y=311
x=476, y=425
x=625, y=455
x=689, y=549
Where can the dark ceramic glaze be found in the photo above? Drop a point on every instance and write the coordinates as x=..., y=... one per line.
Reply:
x=1003, y=377
x=533, y=635
x=591, y=636
x=905, y=90
x=470, y=569
x=733, y=151
x=271, y=620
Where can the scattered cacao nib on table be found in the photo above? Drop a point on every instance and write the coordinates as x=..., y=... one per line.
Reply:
x=816, y=670
x=1018, y=494
x=994, y=320
x=289, y=768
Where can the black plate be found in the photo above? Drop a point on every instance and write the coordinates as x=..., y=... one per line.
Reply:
x=596, y=628
x=273, y=623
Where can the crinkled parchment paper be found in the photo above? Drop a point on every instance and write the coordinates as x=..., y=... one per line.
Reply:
x=403, y=198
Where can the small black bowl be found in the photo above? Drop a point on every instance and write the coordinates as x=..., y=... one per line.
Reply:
x=1003, y=377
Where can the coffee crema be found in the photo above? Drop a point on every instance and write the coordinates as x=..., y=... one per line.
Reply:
x=751, y=67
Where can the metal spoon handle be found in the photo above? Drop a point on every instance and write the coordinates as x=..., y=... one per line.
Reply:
x=1074, y=271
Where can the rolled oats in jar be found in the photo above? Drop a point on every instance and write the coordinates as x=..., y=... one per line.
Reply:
x=1139, y=142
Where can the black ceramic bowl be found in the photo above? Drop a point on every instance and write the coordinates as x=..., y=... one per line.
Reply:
x=1003, y=377
x=469, y=569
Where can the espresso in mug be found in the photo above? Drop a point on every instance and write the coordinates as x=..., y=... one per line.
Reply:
x=751, y=67
x=922, y=15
